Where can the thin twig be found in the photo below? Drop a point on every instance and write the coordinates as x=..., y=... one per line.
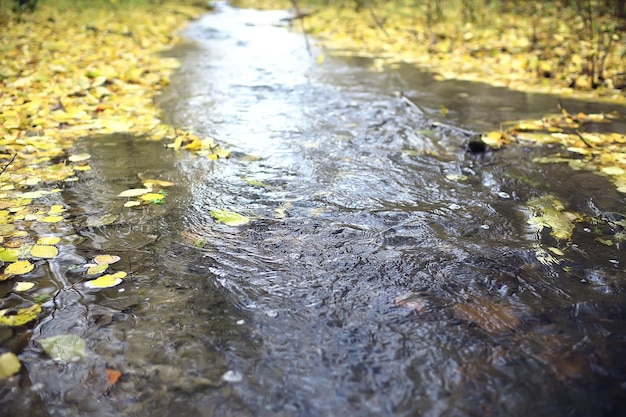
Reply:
x=376, y=19
x=583, y=139
x=4, y=168
x=294, y=3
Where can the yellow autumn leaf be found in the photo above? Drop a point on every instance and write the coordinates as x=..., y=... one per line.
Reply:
x=48, y=240
x=153, y=197
x=44, y=251
x=106, y=281
x=19, y=268
x=79, y=157
x=97, y=269
x=23, y=286
x=12, y=317
x=9, y=365
x=150, y=183
x=106, y=259
x=52, y=219
x=56, y=209
x=229, y=218
x=613, y=171
x=134, y=192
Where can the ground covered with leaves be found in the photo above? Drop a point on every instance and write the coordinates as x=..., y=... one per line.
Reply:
x=576, y=50
x=68, y=73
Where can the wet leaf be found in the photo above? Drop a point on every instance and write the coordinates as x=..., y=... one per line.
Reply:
x=229, y=218
x=44, y=251
x=48, y=240
x=79, y=157
x=547, y=211
x=19, y=317
x=150, y=183
x=97, y=269
x=134, y=192
x=65, y=348
x=106, y=281
x=19, y=268
x=153, y=197
x=21, y=286
x=9, y=365
x=106, y=259
x=52, y=219
x=493, y=317
x=113, y=376
x=8, y=255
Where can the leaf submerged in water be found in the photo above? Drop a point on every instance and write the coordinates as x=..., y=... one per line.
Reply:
x=66, y=347
x=229, y=218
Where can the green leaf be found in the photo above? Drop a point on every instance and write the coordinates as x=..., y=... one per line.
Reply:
x=65, y=347
x=8, y=255
x=229, y=218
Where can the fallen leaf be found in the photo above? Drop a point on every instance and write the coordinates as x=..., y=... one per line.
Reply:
x=21, y=286
x=65, y=348
x=48, y=240
x=9, y=365
x=134, y=192
x=79, y=157
x=18, y=317
x=44, y=251
x=113, y=376
x=229, y=218
x=106, y=259
x=19, y=268
x=106, y=281
x=97, y=269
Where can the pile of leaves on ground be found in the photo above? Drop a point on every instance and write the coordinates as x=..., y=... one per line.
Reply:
x=66, y=74
x=573, y=48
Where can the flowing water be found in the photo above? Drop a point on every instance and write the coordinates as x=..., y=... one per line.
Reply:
x=386, y=271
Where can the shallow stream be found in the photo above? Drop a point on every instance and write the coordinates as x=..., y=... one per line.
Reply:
x=387, y=271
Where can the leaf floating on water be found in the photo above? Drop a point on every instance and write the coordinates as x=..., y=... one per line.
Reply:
x=97, y=269
x=153, y=197
x=44, y=251
x=229, y=218
x=106, y=281
x=66, y=348
x=18, y=317
x=134, y=192
x=48, y=240
x=79, y=157
x=547, y=211
x=106, y=259
x=150, y=183
x=9, y=365
x=8, y=255
x=23, y=286
x=132, y=204
x=52, y=219
x=19, y=268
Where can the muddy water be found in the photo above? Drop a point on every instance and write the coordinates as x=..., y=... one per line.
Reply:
x=386, y=272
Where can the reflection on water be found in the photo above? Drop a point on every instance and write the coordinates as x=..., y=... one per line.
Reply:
x=386, y=270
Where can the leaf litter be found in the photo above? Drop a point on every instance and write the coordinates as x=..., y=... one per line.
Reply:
x=53, y=93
